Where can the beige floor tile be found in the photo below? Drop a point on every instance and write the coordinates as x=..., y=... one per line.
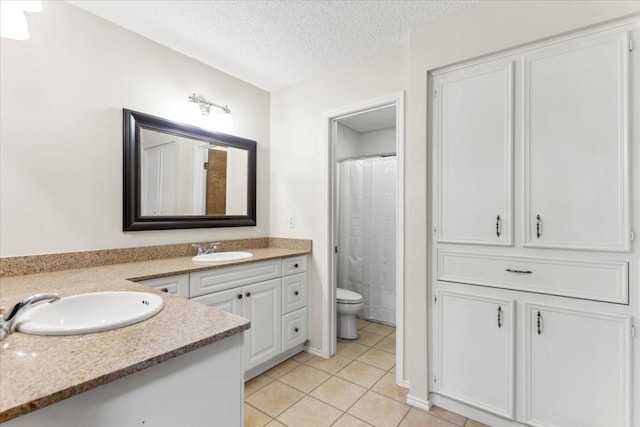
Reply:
x=302, y=357
x=379, y=359
x=378, y=410
x=281, y=369
x=454, y=418
x=387, y=387
x=360, y=373
x=309, y=412
x=377, y=328
x=473, y=423
x=388, y=344
x=274, y=398
x=393, y=370
x=254, y=417
x=256, y=384
x=367, y=338
x=350, y=350
x=339, y=393
x=331, y=366
x=418, y=418
x=275, y=423
x=304, y=378
x=350, y=421
x=361, y=323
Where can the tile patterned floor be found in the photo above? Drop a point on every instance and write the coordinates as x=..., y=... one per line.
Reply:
x=354, y=388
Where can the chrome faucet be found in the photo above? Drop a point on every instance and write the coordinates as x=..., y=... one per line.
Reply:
x=211, y=249
x=7, y=322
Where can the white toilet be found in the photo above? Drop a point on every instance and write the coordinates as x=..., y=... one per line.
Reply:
x=348, y=304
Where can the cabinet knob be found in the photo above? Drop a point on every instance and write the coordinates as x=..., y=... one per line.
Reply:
x=164, y=289
x=499, y=317
x=248, y=294
x=296, y=293
x=539, y=323
x=296, y=265
x=239, y=296
x=296, y=329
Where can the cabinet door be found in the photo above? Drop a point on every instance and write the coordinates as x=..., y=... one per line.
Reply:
x=262, y=305
x=576, y=118
x=577, y=368
x=475, y=352
x=229, y=300
x=473, y=138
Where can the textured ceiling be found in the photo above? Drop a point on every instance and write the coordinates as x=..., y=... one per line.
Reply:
x=274, y=44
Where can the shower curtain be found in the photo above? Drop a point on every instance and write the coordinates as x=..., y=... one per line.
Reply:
x=367, y=234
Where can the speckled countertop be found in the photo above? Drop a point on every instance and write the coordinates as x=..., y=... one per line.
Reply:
x=36, y=371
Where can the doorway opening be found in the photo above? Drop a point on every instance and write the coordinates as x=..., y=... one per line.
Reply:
x=365, y=146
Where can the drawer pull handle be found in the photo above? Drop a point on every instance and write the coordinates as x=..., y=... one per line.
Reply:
x=248, y=294
x=499, y=317
x=519, y=271
x=296, y=293
x=164, y=289
x=538, y=226
x=539, y=323
x=296, y=265
x=498, y=225
x=296, y=329
x=239, y=296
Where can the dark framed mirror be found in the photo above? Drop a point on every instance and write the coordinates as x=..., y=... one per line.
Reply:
x=181, y=176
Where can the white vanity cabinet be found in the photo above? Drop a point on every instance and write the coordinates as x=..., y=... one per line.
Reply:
x=475, y=342
x=260, y=303
x=272, y=294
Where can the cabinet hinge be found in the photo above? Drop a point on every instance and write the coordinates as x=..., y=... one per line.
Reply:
x=633, y=331
x=435, y=93
x=630, y=45
x=435, y=299
x=435, y=380
x=633, y=236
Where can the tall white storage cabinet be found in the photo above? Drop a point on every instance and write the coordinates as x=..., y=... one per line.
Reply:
x=535, y=281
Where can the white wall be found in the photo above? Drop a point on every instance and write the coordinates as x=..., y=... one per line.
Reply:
x=61, y=130
x=298, y=156
x=479, y=30
x=351, y=143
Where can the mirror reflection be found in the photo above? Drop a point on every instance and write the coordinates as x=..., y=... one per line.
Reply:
x=181, y=176
x=184, y=176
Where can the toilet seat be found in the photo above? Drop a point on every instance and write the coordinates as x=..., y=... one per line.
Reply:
x=345, y=296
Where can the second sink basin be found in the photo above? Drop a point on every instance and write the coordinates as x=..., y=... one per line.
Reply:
x=88, y=313
x=221, y=256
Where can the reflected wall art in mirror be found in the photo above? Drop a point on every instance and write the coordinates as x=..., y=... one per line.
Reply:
x=181, y=176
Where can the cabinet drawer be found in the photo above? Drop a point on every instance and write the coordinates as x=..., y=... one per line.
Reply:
x=594, y=280
x=175, y=285
x=294, y=265
x=219, y=279
x=294, y=292
x=294, y=329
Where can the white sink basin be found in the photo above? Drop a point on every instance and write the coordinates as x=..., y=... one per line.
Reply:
x=88, y=313
x=221, y=256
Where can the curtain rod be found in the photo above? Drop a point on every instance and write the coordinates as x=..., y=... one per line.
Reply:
x=367, y=156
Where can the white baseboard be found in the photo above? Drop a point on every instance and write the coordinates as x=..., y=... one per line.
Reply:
x=419, y=403
x=405, y=384
x=315, y=352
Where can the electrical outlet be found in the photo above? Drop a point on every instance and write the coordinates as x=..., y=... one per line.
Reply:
x=292, y=221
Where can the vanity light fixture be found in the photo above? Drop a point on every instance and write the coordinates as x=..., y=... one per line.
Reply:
x=14, y=23
x=205, y=106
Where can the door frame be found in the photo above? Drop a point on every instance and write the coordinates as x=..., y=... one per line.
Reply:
x=330, y=118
